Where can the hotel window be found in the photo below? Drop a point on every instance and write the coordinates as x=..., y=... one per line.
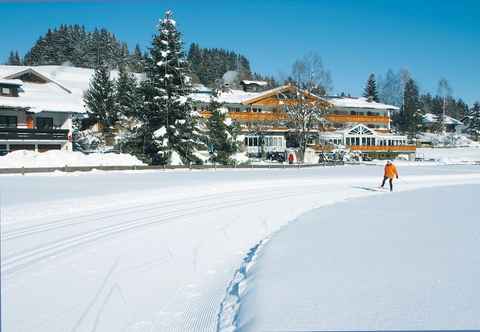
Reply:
x=45, y=123
x=8, y=121
x=6, y=91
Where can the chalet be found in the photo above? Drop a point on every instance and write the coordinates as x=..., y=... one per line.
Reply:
x=36, y=108
x=430, y=121
x=359, y=124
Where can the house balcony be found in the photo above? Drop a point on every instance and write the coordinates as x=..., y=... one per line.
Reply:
x=24, y=134
x=342, y=118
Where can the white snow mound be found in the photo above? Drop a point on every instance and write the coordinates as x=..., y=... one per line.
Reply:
x=31, y=159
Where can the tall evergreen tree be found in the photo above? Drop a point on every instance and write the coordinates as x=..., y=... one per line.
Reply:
x=410, y=114
x=221, y=135
x=14, y=59
x=127, y=100
x=474, y=121
x=371, y=88
x=136, y=61
x=100, y=100
x=167, y=123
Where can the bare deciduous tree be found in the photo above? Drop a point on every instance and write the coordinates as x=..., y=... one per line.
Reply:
x=302, y=103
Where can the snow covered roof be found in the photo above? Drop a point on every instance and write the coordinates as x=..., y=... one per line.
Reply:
x=228, y=97
x=10, y=82
x=248, y=82
x=359, y=102
x=62, y=92
x=429, y=118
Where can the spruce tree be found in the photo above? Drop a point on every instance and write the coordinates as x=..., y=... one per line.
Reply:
x=221, y=135
x=371, y=89
x=136, y=62
x=100, y=100
x=14, y=59
x=126, y=94
x=474, y=121
x=168, y=123
x=411, y=113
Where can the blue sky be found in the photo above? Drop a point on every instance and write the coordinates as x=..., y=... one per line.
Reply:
x=433, y=39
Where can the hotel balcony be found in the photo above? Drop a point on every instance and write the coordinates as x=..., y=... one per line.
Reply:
x=251, y=116
x=378, y=148
x=342, y=118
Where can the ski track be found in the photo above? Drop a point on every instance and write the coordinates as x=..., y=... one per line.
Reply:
x=23, y=259
x=201, y=312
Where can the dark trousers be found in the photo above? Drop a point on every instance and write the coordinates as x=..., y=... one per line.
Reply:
x=390, y=182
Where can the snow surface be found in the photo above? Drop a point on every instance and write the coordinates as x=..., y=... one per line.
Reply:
x=359, y=102
x=367, y=264
x=54, y=158
x=50, y=96
x=450, y=155
x=432, y=118
x=448, y=140
x=156, y=250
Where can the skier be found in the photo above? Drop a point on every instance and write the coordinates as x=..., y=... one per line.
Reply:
x=390, y=173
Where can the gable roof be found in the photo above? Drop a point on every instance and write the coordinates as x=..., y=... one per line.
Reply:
x=284, y=89
x=359, y=102
x=360, y=129
x=432, y=118
x=36, y=73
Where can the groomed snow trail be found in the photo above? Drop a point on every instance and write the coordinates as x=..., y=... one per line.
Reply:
x=154, y=251
x=368, y=265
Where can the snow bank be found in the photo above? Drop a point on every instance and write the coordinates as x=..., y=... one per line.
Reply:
x=240, y=158
x=450, y=155
x=175, y=159
x=28, y=159
x=447, y=140
x=367, y=264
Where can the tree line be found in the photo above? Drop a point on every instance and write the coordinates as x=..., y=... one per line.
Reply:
x=401, y=89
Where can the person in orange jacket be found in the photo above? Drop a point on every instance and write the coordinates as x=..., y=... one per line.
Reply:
x=389, y=173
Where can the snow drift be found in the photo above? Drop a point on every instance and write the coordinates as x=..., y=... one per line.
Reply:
x=29, y=159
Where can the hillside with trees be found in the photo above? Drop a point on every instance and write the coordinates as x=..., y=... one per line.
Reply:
x=74, y=45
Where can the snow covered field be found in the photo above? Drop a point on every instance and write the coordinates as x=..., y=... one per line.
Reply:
x=390, y=262
x=450, y=155
x=155, y=251
x=23, y=158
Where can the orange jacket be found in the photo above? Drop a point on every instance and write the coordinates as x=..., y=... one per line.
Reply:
x=390, y=171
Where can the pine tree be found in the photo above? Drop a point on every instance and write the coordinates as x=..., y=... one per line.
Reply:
x=371, y=89
x=136, y=62
x=167, y=122
x=221, y=135
x=14, y=59
x=126, y=94
x=411, y=114
x=100, y=100
x=474, y=121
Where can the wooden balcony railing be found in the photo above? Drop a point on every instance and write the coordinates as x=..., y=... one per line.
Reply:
x=357, y=118
x=33, y=134
x=395, y=148
x=276, y=116
x=251, y=116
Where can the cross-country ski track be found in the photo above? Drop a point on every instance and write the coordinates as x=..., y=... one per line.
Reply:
x=155, y=251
